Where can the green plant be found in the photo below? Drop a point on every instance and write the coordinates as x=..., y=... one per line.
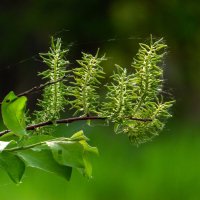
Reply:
x=133, y=103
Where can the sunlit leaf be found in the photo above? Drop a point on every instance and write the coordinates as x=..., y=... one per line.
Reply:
x=79, y=136
x=88, y=148
x=13, y=113
x=74, y=153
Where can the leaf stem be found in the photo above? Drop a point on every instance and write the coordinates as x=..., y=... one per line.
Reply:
x=24, y=147
x=36, y=144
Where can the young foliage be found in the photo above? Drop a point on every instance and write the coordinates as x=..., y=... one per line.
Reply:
x=54, y=155
x=15, y=121
x=133, y=103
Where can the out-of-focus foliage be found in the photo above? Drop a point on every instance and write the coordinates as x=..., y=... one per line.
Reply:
x=47, y=153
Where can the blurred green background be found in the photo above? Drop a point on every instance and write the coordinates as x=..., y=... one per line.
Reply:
x=166, y=168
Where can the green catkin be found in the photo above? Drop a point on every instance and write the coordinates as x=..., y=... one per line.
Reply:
x=83, y=89
x=130, y=94
x=138, y=95
x=54, y=96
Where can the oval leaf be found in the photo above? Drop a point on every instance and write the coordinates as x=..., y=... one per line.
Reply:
x=13, y=113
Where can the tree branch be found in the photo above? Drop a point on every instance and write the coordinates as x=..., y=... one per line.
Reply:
x=38, y=88
x=69, y=120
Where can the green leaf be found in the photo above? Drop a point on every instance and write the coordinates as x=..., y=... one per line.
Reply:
x=67, y=153
x=79, y=136
x=43, y=160
x=88, y=149
x=13, y=165
x=87, y=171
x=13, y=113
x=55, y=155
x=73, y=153
x=9, y=136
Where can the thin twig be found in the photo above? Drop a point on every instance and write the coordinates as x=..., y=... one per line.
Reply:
x=36, y=89
x=67, y=121
x=140, y=119
x=40, y=87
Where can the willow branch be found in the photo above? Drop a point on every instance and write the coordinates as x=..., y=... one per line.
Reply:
x=36, y=89
x=69, y=120
x=40, y=87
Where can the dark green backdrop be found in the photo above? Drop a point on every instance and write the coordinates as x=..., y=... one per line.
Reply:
x=168, y=167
